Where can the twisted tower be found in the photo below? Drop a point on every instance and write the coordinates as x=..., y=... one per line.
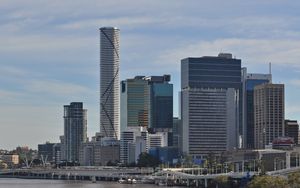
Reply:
x=109, y=81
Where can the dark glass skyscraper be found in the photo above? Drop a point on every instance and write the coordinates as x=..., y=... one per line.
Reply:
x=211, y=72
x=161, y=99
x=250, y=80
x=75, y=129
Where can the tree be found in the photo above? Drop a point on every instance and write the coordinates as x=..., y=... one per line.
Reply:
x=294, y=180
x=147, y=160
x=268, y=182
x=222, y=181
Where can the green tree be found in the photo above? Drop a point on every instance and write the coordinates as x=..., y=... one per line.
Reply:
x=147, y=160
x=268, y=182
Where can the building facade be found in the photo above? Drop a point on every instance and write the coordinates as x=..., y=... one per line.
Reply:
x=135, y=103
x=75, y=129
x=210, y=104
x=291, y=128
x=268, y=114
x=250, y=80
x=148, y=102
x=45, y=152
x=130, y=144
x=105, y=151
x=109, y=81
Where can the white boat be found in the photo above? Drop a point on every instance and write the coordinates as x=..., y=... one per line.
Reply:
x=122, y=181
x=133, y=181
x=162, y=183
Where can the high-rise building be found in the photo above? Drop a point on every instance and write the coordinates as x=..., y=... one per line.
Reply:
x=250, y=80
x=109, y=81
x=135, y=103
x=147, y=102
x=161, y=103
x=75, y=129
x=210, y=104
x=177, y=129
x=268, y=114
x=291, y=128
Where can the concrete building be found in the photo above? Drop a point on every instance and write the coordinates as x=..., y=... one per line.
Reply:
x=158, y=139
x=99, y=153
x=210, y=104
x=250, y=80
x=109, y=82
x=75, y=129
x=268, y=113
x=62, y=148
x=10, y=160
x=133, y=142
x=291, y=128
x=266, y=159
x=57, y=152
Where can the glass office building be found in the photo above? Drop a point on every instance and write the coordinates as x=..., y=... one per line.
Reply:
x=147, y=102
x=135, y=103
x=250, y=80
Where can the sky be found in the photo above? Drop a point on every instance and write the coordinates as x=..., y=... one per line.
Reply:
x=49, y=52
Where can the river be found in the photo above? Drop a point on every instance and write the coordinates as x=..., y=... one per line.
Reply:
x=34, y=183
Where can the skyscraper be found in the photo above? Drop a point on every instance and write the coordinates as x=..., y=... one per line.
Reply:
x=161, y=103
x=210, y=104
x=250, y=80
x=268, y=113
x=147, y=101
x=109, y=81
x=135, y=103
x=75, y=129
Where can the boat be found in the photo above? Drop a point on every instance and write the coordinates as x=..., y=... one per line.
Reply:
x=133, y=181
x=162, y=183
x=122, y=181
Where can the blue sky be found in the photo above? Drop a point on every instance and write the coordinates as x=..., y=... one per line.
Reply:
x=49, y=52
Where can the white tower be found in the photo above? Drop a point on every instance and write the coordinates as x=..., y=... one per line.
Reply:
x=109, y=82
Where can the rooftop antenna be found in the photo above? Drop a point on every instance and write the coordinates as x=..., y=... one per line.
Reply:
x=270, y=71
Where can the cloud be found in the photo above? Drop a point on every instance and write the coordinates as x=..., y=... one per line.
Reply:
x=295, y=83
x=251, y=51
x=118, y=22
x=55, y=87
x=6, y=95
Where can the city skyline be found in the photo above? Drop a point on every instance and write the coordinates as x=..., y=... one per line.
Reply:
x=50, y=54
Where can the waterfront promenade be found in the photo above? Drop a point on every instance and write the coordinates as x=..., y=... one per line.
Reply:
x=169, y=176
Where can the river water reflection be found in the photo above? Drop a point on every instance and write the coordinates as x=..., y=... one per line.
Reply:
x=31, y=183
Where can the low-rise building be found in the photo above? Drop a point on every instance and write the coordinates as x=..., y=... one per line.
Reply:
x=10, y=160
x=99, y=153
